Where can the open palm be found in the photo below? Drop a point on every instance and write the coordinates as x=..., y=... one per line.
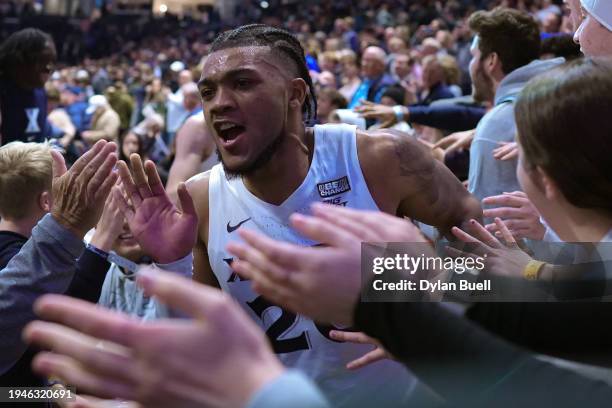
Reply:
x=164, y=232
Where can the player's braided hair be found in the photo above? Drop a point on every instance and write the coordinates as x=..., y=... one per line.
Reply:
x=22, y=48
x=278, y=40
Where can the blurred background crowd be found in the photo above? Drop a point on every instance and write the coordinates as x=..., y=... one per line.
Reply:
x=128, y=73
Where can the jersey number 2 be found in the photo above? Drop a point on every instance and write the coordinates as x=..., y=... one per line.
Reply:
x=280, y=326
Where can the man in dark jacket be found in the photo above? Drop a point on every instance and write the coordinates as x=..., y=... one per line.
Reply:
x=26, y=61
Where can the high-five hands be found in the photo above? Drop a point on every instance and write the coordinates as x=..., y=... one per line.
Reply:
x=158, y=363
x=502, y=258
x=79, y=194
x=320, y=282
x=161, y=229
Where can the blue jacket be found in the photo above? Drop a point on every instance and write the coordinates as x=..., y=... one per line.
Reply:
x=452, y=117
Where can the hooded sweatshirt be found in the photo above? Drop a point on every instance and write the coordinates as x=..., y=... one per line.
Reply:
x=488, y=176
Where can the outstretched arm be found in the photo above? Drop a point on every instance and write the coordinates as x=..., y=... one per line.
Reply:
x=412, y=183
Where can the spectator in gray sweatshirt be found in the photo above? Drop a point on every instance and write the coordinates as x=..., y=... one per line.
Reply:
x=504, y=57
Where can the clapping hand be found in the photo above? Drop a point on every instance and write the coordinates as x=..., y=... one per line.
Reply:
x=79, y=194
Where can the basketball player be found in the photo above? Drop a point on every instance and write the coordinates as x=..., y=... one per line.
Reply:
x=256, y=93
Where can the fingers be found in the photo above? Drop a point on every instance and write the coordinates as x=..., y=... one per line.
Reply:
x=458, y=144
x=185, y=200
x=518, y=234
x=128, y=184
x=369, y=358
x=80, y=164
x=505, y=232
x=352, y=337
x=274, y=252
x=73, y=373
x=364, y=104
x=80, y=347
x=59, y=164
x=506, y=152
x=504, y=147
x=464, y=236
x=277, y=291
x=445, y=142
x=257, y=261
x=517, y=194
x=104, y=179
x=368, y=114
x=456, y=253
x=344, y=220
x=512, y=224
x=319, y=230
x=505, y=200
x=387, y=124
x=155, y=183
x=111, y=201
x=513, y=154
x=503, y=212
x=140, y=178
x=481, y=234
x=88, y=318
x=369, y=226
x=97, y=161
x=124, y=206
x=180, y=293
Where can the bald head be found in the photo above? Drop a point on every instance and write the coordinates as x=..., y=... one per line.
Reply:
x=373, y=62
x=191, y=96
x=184, y=77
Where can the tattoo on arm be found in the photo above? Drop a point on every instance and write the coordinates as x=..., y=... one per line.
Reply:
x=413, y=161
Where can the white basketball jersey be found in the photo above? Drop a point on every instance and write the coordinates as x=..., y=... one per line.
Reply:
x=334, y=177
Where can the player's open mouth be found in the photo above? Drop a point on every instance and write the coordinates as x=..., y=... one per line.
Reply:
x=228, y=132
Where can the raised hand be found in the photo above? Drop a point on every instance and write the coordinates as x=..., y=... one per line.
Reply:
x=162, y=230
x=506, y=151
x=159, y=363
x=110, y=225
x=79, y=194
x=518, y=213
x=456, y=141
x=501, y=259
x=383, y=113
x=320, y=282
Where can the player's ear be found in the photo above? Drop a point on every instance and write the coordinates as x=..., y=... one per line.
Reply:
x=299, y=89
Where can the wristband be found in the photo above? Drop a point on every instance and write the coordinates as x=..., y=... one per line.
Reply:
x=532, y=269
x=399, y=112
x=102, y=254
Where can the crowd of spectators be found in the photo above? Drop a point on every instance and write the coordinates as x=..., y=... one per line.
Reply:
x=118, y=74
x=442, y=73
